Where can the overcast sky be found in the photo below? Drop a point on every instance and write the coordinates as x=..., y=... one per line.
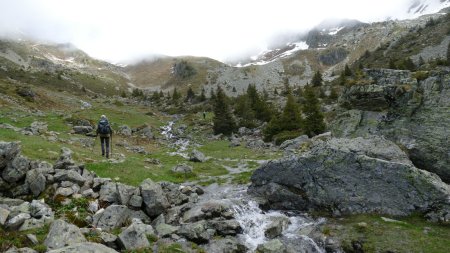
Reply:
x=221, y=29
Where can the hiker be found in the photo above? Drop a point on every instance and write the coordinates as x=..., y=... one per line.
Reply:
x=105, y=131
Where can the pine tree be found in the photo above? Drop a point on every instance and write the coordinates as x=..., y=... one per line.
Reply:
x=212, y=94
x=313, y=123
x=155, y=96
x=448, y=54
x=289, y=120
x=258, y=105
x=175, y=95
x=392, y=64
x=190, y=95
x=202, y=95
x=223, y=119
x=317, y=79
x=245, y=112
x=347, y=71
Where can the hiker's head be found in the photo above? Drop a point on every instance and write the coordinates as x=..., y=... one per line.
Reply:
x=103, y=117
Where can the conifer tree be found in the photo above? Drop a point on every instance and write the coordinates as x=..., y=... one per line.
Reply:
x=291, y=116
x=190, y=95
x=212, y=94
x=155, y=96
x=289, y=120
x=317, y=79
x=448, y=54
x=313, y=123
x=202, y=95
x=245, y=112
x=223, y=119
x=347, y=71
x=175, y=95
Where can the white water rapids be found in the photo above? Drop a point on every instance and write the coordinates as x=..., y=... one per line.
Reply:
x=255, y=221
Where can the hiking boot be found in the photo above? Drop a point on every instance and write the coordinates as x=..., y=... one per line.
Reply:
x=107, y=156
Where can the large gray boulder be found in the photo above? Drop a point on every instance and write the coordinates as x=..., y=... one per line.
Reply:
x=413, y=114
x=16, y=169
x=347, y=176
x=8, y=151
x=63, y=234
x=114, y=216
x=87, y=247
x=197, y=232
x=226, y=245
x=36, y=181
x=155, y=201
x=197, y=156
x=135, y=236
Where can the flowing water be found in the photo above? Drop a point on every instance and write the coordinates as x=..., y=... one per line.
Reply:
x=254, y=221
x=251, y=218
x=180, y=144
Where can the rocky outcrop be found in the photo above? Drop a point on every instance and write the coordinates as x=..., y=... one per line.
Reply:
x=348, y=176
x=411, y=112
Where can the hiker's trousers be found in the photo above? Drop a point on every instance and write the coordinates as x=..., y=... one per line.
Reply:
x=105, y=145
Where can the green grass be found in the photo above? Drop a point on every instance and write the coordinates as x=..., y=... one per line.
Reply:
x=381, y=236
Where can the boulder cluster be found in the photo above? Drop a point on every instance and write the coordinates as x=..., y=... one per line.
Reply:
x=118, y=216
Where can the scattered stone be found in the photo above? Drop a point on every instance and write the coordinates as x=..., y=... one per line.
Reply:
x=272, y=246
x=15, y=222
x=135, y=201
x=109, y=239
x=276, y=227
x=197, y=156
x=393, y=221
x=33, y=239
x=165, y=230
x=227, y=245
x=21, y=250
x=114, y=216
x=294, y=143
x=84, y=247
x=3, y=215
x=155, y=201
x=197, y=232
x=36, y=181
x=152, y=161
x=135, y=236
x=63, y=234
x=8, y=151
x=182, y=168
x=16, y=170
x=124, y=130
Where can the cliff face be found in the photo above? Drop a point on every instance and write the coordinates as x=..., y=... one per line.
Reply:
x=412, y=112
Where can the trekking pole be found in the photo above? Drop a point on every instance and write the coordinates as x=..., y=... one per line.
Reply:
x=93, y=145
x=111, y=145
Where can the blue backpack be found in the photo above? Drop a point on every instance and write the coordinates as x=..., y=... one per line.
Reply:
x=103, y=127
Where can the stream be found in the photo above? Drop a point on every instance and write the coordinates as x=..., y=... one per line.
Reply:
x=251, y=218
x=255, y=221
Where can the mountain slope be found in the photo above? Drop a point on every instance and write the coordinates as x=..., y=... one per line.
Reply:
x=59, y=66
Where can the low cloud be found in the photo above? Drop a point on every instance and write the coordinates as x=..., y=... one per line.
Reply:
x=119, y=31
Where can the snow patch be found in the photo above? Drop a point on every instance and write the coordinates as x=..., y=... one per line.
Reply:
x=334, y=31
x=296, y=47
